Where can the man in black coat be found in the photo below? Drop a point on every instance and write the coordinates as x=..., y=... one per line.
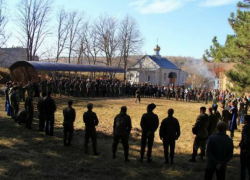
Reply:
x=200, y=141
x=90, y=119
x=40, y=110
x=219, y=153
x=212, y=122
x=169, y=133
x=49, y=108
x=29, y=107
x=69, y=116
x=149, y=124
x=245, y=149
x=121, y=130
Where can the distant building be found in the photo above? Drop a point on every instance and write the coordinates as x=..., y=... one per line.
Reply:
x=155, y=69
x=8, y=56
x=223, y=81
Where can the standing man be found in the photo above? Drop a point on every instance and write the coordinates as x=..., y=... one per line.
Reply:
x=138, y=95
x=245, y=149
x=121, y=130
x=169, y=133
x=212, y=122
x=90, y=119
x=49, y=108
x=69, y=116
x=40, y=110
x=201, y=133
x=149, y=124
x=219, y=153
x=29, y=107
x=14, y=102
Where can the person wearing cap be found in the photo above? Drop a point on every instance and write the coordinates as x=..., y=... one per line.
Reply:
x=169, y=133
x=90, y=119
x=219, y=153
x=212, y=122
x=149, y=124
x=121, y=130
x=202, y=123
x=49, y=108
x=245, y=149
x=29, y=107
x=69, y=116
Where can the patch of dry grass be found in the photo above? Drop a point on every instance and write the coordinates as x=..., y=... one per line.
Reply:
x=29, y=154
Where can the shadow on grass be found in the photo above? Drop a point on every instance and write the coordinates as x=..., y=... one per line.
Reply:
x=29, y=154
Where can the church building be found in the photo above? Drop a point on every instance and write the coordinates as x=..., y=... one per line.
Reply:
x=156, y=70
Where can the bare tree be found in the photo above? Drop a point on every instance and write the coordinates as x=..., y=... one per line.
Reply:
x=4, y=36
x=62, y=31
x=76, y=20
x=90, y=41
x=130, y=40
x=33, y=18
x=106, y=29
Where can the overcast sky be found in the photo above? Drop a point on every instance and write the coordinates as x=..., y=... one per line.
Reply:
x=183, y=27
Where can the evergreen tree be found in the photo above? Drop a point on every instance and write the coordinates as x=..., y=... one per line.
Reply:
x=236, y=49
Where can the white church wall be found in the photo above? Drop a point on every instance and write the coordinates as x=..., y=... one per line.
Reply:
x=183, y=77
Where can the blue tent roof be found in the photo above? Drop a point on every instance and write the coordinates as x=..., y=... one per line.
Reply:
x=163, y=62
x=50, y=66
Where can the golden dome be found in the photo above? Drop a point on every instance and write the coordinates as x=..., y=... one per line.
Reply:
x=157, y=48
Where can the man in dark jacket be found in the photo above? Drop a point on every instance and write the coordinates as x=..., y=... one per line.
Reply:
x=245, y=149
x=121, y=130
x=219, y=153
x=200, y=140
x=29, y=107
x=40, y=110
x=90, y=119
x=49, y=108
x=212, y=122
x=169, y=132
x=149, y=124
x=14, y=102
x=69, y=116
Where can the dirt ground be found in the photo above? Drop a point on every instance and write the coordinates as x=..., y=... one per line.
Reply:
x=30, y=154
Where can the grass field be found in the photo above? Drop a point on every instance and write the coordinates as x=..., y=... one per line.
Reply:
x=29, y=154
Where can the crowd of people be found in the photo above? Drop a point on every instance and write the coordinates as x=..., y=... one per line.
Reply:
x=209, y=129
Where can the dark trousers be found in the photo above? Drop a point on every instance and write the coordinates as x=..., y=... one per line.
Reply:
x=14, y=111
x=124, y=140
x=144, y=141
x=90, y=133
x=199, y=143
x=41, y=122
x=67, y=133
x=49, y=129
x=138, y=98
x=29, y=119
x=220, y=174
x=245, y=164
x=166, y=144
